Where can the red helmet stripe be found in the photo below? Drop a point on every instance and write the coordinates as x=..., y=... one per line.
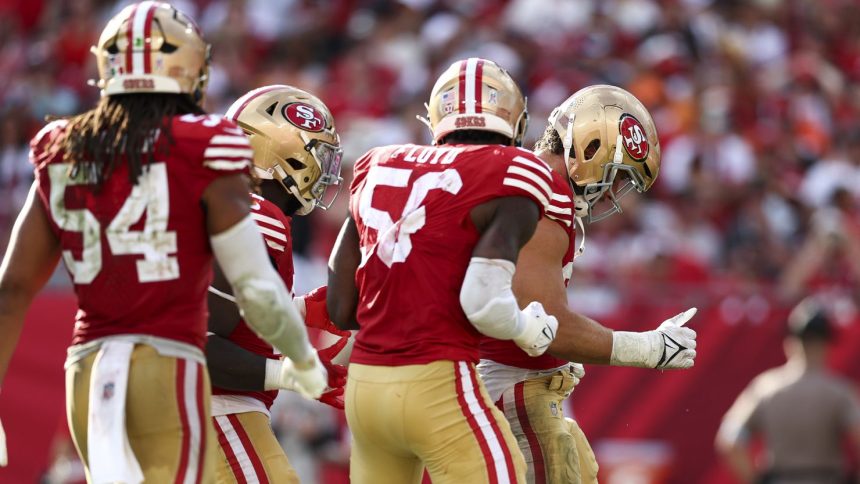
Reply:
x=129, y=58
x=462, y=85
x=479, y=78
x=147, y=33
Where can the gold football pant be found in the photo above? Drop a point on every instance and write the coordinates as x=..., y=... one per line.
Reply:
x=555, y=448
x=437, y=415
x=166, y=414
x=249, y=452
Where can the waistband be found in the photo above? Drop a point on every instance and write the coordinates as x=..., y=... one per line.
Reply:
x=164, y=347
x=407, y=373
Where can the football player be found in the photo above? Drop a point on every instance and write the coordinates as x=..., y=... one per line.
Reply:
x=603, y=141
x=423, y=266
x=297, y=158
x=137, y=195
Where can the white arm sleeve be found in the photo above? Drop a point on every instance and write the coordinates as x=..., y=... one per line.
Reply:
x=261, y=295
x=488, y=301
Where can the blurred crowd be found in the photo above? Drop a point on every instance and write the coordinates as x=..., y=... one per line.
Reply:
x=756, y=102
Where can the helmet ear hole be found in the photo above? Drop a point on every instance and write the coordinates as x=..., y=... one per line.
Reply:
x=167, y=48
x=591, y=149
x=296, y=164
x=112, y=49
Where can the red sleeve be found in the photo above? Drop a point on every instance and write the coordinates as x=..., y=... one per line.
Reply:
x=226, y=150
x=528, y=176
x=560, y=207
x=42, y=152
x=206, y=148
x=359, y=169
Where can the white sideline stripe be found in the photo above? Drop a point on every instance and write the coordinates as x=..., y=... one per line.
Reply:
x=191, y=375
x=561, y=198
x=238, y=449
x=138, y=26
x=274, y=245
x=530, y=175
x=471, y=396
x=272, y=233
x=513, y=182
x=212, y=152
x=269, y=220
x=226, y=164
x=471, y=67
x=225, y=139
x=544, y=170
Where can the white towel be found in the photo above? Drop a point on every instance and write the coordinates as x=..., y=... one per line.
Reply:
x=111, y=459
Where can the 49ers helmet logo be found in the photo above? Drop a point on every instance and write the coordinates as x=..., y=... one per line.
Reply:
x=304, y=116
x=633, y=134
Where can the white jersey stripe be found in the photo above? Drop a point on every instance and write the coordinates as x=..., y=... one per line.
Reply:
x=558, y=210
x=274, y=245
x=267, y=220
x=556, y=197
x=471, y=65
x=191, y=375
x=223, y=139
x=213, y=152
x=471, y=395
x=272, y=233
x=531, y=176
x=138, y=25
x=238, y=450
x=226, y=164
x=560, y=219
x=516, y=183
x=541, y=167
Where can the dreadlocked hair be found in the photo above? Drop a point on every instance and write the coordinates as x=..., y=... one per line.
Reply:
x=122, y=127
x=550, y=141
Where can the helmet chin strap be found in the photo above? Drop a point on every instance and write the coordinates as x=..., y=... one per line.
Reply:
x=567, y=142
x=581, y=248
x=427, y=123
x=307, y=205
x=292, y=189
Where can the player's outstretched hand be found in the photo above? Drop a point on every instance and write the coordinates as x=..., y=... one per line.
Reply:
x=669, y=346
x=679, y=343
x=540, y=330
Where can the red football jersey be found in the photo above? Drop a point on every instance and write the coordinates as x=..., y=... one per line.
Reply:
x=506, y=352
x=412, y=207
x=275, y=227
x=139, y=254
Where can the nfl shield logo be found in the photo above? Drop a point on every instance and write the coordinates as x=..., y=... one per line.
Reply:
x=107, y=391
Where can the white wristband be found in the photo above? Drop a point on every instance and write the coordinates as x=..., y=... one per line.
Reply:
x=274, y=379
x=635, y=349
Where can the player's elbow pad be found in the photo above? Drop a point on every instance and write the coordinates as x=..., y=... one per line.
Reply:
x=488, y=301
x=260, y=293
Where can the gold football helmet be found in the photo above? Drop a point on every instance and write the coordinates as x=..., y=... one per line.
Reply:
x=606, y=130
x=294, y=140
x=476, y=94
x=152, y=47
